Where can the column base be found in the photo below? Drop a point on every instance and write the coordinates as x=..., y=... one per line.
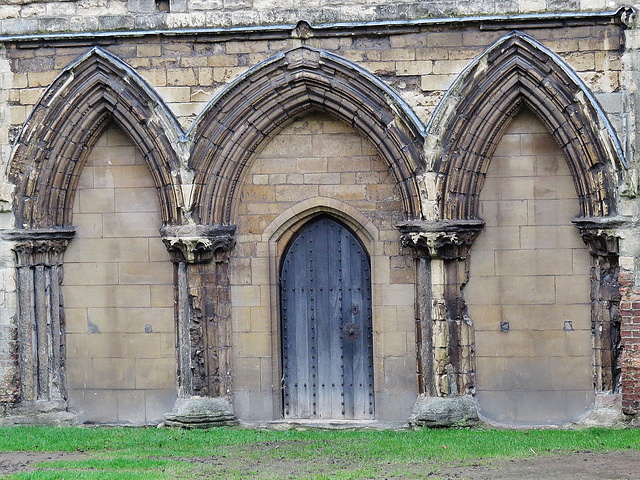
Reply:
x=607, y=412
x=37, y=413
x=439, y=412
x=201, y=412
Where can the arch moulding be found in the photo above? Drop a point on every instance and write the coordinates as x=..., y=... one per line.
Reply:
x=301, y=212
x=468, y=124
x=259, y=104
x=68, y=120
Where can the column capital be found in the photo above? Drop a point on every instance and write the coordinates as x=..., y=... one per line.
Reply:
x=446, y=239
x=599, y=234
x=40, y=246
x=197, y=243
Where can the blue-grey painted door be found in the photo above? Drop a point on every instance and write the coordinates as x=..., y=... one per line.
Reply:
x=327, y=347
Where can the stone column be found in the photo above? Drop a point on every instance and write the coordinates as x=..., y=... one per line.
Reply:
x=200, y=254
x=445, y=335
x=599, y=234
x=41, y=325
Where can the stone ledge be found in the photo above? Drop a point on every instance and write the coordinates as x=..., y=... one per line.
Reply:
x=201, y=412
x=442, y=412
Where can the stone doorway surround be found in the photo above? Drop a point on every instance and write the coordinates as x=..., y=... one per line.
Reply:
x=278, y=234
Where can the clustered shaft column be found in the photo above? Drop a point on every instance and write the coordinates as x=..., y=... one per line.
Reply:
x=203, y=319
x=598, y=233
x=41, y=325
x=445, y=336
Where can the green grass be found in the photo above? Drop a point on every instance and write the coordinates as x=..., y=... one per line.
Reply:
x=142, y=453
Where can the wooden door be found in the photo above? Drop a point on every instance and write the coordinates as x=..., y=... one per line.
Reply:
x=327, y=348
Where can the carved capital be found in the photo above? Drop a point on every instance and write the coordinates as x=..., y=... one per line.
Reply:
x=197, y=243
x=446, y=239
x=40, y=247
x=599, y=234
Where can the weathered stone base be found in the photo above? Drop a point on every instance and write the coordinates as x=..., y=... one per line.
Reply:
x=444, y=412
x=39, y=413
x=607, y=412
x=201, y=412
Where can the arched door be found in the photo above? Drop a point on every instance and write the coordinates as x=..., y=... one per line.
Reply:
x=327, y=348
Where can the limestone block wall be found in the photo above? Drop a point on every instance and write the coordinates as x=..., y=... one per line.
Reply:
x=319, y=164
x=8, y=361
x=118, y=292
x=315, y=162
x=528, y=291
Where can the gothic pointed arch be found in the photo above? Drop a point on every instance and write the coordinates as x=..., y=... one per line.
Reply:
x=68, y=120
x=514, y=72
x=259, y=104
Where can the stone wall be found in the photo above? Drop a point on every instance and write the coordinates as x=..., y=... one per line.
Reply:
x=8, y=349
x=118, y=292
x=187, y=72
x=317, y=163
x=528, y=290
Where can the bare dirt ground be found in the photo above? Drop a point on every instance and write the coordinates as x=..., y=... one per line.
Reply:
x=575, y=466
x=17, y=462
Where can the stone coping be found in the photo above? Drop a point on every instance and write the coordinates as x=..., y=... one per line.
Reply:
x=303, y=29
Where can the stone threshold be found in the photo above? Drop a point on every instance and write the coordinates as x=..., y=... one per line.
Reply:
x=327, y=424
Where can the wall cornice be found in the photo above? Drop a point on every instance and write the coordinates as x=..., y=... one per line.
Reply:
x=303, y=29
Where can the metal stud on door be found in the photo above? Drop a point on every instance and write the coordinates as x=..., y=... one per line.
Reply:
x=327, y=338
